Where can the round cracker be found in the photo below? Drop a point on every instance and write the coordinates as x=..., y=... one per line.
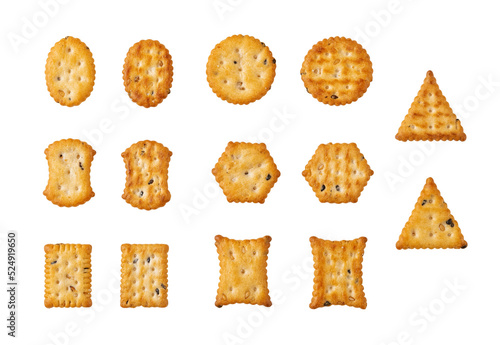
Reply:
x=241, y=69
x=148, y=73
x=70, y=72
x=337, y=71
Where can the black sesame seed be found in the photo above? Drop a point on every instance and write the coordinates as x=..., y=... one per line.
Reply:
x=307, y=90
x=349, y=271
x=218, y=306
x=235, y=62
x=323, y=187
x=157, y=291
x=246, y=172
x=268, y=177
x=53, y=262
x=334, y=96
x=152, y=92
x=148, y=260
x=81, y=166
x=163, y=286
x=141, y=194
x=150, y=181
x=327, y=303
x=265, y=62
x=337, y=188
x=450, y=222
x=135, y=261
x=464, y=247
x=274, y=61
x=263, y=44
x=60, y=156
x=424, y=202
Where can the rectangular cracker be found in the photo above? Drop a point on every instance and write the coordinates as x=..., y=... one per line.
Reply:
x=146, y=163
x=337, y=273
x=243, y=271
x=144, y=275
x=69, y=172
x=68, y=275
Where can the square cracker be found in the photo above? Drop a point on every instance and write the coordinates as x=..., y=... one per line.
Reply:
x=431, y=224
x=68, y=275
x=246, y=172
x=243, y=271
x=147, y=163
x=337, y=273
x=144, y=275
x=69, y=172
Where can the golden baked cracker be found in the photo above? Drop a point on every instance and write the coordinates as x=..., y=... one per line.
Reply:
x=337, y=273
x=246, y=172
x=146, y=163
x=148, y=73
x=144, y=275
x=430, y=116
x=337, y=173
x=68, y=275
x=337, y=71
x=69, y=172
x=431, y=224
x=241, y=69
x=243, y=271
x=70, y=72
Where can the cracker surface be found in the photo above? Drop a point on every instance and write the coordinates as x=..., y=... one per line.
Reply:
x=146, y=164
x=241, y=69
x=243, y=271
x=70, y=72
x=68, y=275
x=431, y=224
x=148, y=73
x=69, y=172
x=337, y=71
x=337, y=273
x=430, y=116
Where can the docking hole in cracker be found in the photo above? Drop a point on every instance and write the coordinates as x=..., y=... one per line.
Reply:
x=148, y=73
x=246, y=172
x=69, y=172
x=337, y=173
x=144, y=275
x=68, y=275
x=337, y=273
x=70, y=72
x=241, y=69
x=431, y=224
x=337, y=71
x=146, y=164
x=430, y=116
x=243, y=271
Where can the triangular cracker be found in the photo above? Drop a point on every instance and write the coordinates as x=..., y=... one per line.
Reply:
x=431, y=225
x=430, y=116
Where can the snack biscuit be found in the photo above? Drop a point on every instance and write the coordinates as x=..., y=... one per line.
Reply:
x=70, y=72
x=243, y=271
x=337, y=173
x=337, y=273
x=144, y=275
x=431, y=224
x=337, y=71
x=68, y=275
x=146, y=163
x=430, y=116
x=246, y=172
x=69, y=172
x=241, y=69
x=148, y=73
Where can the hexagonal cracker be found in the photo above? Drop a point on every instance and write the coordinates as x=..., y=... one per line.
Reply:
x=246, y=172
x=337, y=173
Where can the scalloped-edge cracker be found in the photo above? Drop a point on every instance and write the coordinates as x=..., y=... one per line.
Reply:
x=337, y=273
x=431, y=224
x=144, y=275
x=241, y=69
x=69, y=172
x=68, y=275
x=243, y=271
x=430, y=116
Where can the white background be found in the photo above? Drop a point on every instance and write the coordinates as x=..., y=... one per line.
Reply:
x=458, y=40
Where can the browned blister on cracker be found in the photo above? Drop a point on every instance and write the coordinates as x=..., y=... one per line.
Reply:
x=241, y=69
x=246, y=172
x=337, y=71
x=337, y=273
x=148, y=73
x=430, y=116
x=70, y=72
x=146, y=163
x=243, y=271
x=144, y=276
x=337, y=173
x=431, y=224
x=69, y=172
x=68, y=275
